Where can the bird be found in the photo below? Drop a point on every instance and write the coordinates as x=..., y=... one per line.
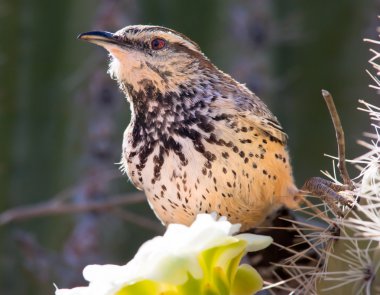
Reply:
x=198, y=141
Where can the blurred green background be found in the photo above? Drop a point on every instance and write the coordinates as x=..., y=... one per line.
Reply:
x=62, y=117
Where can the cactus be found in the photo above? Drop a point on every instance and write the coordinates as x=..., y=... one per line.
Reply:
x=344, y=252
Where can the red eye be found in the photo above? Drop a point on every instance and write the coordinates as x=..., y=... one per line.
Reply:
x=158, y=44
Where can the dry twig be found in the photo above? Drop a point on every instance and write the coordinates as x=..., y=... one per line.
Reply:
x=58, y=208
x=339, y=138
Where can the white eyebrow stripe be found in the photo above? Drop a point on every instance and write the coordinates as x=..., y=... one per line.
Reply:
x=177, y=39
x=149, y=34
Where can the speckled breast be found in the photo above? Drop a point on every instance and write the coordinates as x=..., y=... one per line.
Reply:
x=240, y=172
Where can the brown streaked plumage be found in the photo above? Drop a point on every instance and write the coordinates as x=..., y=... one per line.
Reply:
x=198, y=140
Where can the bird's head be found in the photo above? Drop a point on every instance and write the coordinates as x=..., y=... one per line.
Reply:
x=152, y=56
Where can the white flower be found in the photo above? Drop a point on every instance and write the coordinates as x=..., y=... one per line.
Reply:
x=181, y=254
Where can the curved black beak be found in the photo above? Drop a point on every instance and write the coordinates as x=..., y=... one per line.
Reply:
x=99, y=37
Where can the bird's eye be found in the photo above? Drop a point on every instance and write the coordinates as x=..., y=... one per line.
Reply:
x=158, y=44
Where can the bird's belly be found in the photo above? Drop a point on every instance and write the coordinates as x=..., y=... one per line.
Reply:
x=242, y=180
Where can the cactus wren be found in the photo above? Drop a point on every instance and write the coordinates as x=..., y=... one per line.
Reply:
x=198, y=140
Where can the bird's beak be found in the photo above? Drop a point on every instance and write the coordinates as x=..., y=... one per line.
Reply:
x=112, y=43
x=101, y=38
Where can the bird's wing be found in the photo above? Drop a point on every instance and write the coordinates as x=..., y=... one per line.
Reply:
x=268, y=125
x=254, y=113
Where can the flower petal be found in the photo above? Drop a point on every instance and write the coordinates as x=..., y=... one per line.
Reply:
x=255, y=242
x=247, y=281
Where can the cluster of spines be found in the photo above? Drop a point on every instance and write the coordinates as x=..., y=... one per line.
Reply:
x=342, y=254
